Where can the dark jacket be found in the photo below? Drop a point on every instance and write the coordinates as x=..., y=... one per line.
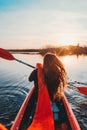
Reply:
x=33, y=77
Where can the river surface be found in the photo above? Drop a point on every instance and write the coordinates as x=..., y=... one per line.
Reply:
x=14, y=86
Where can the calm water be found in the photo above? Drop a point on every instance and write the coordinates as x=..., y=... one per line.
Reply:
x=14, y=86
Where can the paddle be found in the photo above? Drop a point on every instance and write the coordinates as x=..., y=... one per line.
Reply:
x=8, y=56
x=82, y=89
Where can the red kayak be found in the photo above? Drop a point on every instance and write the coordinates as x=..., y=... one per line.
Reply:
x=26, y=113
x=36, y=111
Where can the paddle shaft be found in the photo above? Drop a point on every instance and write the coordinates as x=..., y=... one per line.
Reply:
x=20, y=61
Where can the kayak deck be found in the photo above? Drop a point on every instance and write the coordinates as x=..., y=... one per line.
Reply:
x=30, y=110
x=26, y=118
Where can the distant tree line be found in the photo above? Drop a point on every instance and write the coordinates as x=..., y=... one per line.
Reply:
x=66, y=50
x=61, y=51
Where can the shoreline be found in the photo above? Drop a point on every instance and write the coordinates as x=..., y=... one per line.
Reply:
x=61, y=51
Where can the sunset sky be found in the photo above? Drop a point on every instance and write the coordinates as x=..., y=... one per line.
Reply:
x=38, y=23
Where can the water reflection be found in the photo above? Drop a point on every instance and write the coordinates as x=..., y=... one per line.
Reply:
x=76, y=68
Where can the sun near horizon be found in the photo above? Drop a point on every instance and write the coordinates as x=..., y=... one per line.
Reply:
x=67, y=39
x=26, y=24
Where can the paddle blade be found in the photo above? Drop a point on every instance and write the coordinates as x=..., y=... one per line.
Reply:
x=82, y=90
x=6, y=54
x=2, y=127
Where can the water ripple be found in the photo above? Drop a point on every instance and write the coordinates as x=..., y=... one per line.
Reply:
x=12, y=94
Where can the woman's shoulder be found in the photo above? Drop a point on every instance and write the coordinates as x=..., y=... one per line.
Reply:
x=33, y=75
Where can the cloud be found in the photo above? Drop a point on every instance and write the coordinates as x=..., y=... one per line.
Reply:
x=79, y=6
x=41, y=25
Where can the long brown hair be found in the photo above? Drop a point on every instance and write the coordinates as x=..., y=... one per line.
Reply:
x=54, y=75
